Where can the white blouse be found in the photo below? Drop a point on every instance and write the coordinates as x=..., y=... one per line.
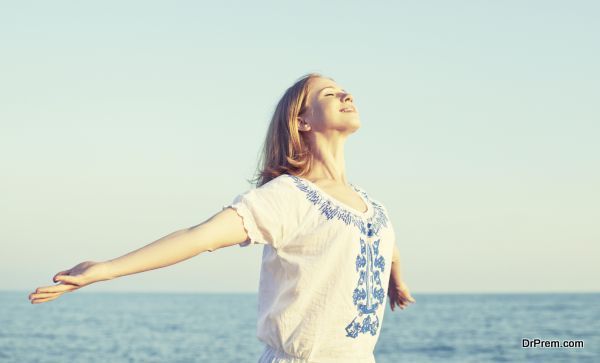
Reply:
x=325, y=271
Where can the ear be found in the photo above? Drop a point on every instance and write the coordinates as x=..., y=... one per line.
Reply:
x=303, y=125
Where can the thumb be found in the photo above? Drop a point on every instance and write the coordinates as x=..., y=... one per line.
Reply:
x=59, y=274
x=67, y=279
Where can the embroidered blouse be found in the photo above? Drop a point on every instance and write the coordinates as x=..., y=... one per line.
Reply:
x=325, y=270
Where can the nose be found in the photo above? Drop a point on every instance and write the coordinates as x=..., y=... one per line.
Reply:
x=347, y=97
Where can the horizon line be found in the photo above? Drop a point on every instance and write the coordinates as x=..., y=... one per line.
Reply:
x=256, y=292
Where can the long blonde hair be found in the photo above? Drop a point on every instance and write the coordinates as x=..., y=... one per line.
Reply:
x=286, y=150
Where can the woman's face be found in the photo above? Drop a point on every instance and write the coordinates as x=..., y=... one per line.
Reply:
x=328, y=107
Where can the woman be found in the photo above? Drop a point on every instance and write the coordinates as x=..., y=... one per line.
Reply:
x=329, y=250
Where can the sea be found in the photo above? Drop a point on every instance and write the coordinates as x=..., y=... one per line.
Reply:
x=101, y=327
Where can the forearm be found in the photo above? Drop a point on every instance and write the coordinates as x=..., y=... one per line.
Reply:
x=168, y=250
x=396, y=264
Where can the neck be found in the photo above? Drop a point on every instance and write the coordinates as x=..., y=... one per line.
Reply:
x=328, y=161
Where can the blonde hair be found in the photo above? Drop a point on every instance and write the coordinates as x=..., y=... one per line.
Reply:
x=286, y=150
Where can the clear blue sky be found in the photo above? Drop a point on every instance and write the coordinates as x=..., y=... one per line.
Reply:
x=125, y=121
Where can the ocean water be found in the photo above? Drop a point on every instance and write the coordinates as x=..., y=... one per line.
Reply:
x=150, y=327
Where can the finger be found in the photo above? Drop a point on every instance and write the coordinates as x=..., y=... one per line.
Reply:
x=404, y=303
x=38, y=301
x=43, y=299
x=45, y=295
x=56, y=288
x=405, y=295
x=34, y=296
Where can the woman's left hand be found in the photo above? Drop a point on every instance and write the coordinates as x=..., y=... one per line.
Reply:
x=398, y=294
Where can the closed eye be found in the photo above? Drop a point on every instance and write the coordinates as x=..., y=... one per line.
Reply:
x=329, y=94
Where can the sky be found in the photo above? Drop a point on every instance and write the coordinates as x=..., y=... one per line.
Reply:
x=125, y=121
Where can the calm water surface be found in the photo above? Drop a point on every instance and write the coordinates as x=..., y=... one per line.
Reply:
x=149, y=327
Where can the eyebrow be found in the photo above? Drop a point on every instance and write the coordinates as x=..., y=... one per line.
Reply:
x=324, y=88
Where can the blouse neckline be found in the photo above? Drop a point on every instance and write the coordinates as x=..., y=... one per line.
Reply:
x=326, y=196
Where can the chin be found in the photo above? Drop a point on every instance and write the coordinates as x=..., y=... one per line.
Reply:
x=354, y=125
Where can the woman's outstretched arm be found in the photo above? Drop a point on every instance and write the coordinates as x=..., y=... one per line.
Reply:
x=221, y=230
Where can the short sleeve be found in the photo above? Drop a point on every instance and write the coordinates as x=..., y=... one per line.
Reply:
x=265, y=212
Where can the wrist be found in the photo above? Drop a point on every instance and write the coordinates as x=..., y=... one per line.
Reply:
x=395, y=270
x=106, y=270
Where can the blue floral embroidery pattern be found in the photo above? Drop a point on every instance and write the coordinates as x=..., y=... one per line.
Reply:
x=331, y=210
x=369, y=293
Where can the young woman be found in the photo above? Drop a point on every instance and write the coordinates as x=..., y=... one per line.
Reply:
x=329, y=252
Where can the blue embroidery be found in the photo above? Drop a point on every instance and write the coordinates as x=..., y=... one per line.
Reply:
x=369, y=293
x=331, y=210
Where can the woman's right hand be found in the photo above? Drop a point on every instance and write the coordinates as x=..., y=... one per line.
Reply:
x=77, y=277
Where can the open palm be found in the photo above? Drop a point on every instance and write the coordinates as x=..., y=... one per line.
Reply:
x=75, y=278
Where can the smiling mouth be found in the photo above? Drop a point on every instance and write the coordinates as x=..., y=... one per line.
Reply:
x=348, y=109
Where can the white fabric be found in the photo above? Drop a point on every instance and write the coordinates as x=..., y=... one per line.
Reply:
x=325, y=271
